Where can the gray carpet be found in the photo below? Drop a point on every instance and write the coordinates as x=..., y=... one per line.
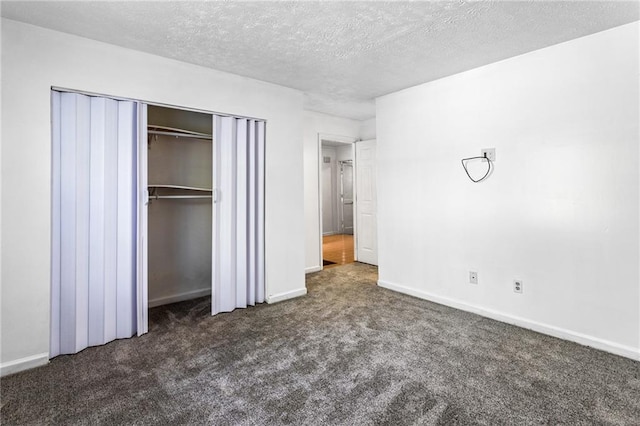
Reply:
x=347, y=353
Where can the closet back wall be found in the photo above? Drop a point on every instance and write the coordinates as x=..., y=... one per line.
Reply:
x=179, y=229
x=34, y=60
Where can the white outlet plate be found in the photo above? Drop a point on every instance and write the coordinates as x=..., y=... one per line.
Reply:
x=473, y=277
x=518, y=286
x=490, y=153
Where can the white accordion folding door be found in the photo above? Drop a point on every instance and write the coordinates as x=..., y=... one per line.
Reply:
x=94, y=172
x=238, y=278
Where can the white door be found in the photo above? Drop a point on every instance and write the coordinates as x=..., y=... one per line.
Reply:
x=366, y=203
x=238, y=248
x=93, y=271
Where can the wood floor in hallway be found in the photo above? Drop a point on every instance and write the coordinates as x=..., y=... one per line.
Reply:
x=338, y=249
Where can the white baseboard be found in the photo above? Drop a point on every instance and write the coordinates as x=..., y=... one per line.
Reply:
x=286, y=295
x=561, y=333
x=194, y=294
x=25, y=363
x=312, y=269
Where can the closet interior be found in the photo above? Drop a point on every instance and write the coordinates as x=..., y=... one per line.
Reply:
x=179, y=163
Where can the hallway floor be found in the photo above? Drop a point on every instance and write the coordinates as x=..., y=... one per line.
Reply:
x=337, y=249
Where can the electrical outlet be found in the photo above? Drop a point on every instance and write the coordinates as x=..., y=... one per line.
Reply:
x=490, y=153
x=473, y=277
x=518, y=286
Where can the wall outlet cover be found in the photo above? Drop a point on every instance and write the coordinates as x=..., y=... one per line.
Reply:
x=473, y=277
x=518, y=286
x=490, y=154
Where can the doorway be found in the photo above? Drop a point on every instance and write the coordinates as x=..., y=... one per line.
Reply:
x=337, y=202
x=347, y=201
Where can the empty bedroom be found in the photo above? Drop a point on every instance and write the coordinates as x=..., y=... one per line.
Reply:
x=320, y=212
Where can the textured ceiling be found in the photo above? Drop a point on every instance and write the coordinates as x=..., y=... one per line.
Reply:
x=341, y=54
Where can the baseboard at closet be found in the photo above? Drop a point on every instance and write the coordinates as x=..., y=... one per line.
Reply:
x=25, y=363
x=274, y=298
x=312, y=269
x=180, y=297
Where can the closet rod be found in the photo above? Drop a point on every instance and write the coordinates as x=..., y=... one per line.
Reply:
x=179, y=197
x=167, y=186
x=179, y=135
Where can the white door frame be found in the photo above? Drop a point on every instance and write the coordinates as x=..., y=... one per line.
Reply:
x=347, y=141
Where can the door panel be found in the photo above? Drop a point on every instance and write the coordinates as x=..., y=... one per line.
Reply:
x=366, y=205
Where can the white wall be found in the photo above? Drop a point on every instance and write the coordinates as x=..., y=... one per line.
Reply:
x=561, y=210
x=316, y=123
x=344, y=153
x=368, y=129
x=33, y=60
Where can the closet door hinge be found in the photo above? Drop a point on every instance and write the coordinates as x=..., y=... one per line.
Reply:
x=145, y=197
x=214, y=195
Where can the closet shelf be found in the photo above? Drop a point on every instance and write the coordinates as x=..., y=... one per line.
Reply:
x=173, y=131
x=189, y=188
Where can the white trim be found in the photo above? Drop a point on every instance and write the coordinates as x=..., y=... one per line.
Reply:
x=180, y=297
x=561, y=333
x=321, y=231
x=275, y=298
x=312, y=269
x=25, y=363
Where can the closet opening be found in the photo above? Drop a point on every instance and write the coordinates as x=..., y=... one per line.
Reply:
x=180, y=188
x=202, y=220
